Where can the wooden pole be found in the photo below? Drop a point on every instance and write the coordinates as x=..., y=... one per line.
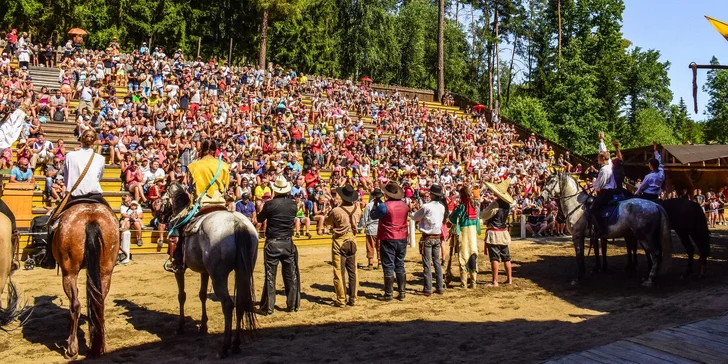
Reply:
x=230, y=53
x=559, y=11
x=199, y=42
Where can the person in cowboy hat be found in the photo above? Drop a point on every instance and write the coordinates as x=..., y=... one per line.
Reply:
x=430, y=218
x=278, y=214
x=392, y=234
x=370, y=229
x=343, y=221
x=497, y=236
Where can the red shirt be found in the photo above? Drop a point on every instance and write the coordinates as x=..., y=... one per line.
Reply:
x=311, y=179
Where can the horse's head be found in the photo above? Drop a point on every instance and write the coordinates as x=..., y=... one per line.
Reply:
x=174, y=200
x=552, y=187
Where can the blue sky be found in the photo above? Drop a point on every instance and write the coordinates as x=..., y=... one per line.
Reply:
x=678, y=29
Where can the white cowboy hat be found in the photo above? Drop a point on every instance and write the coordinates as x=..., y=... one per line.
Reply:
x=281, y=186
x=501, y=190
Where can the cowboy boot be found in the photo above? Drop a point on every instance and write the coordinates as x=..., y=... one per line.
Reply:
x=401, y=285
x=388, y=287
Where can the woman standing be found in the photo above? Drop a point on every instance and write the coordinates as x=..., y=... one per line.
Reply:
x=467, y=227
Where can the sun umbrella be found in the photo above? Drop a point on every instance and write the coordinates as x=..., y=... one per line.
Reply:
x=77, y=31
x=366, y=79
x=478, y=108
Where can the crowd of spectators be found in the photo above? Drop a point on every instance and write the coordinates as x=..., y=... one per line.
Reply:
x=272, y=121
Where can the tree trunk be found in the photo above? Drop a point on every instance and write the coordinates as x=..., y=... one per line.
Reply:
x=497, y=60
x=441, y=50
x=510, y=69
x=263, y=39
x=559, y=11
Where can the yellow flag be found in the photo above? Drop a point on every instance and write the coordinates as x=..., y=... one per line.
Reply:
x=721, y=27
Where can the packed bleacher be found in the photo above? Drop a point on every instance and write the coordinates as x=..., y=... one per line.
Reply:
x=152, y=109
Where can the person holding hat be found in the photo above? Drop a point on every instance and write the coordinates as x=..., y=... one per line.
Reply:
x=370, y=229
x=467, y=227
x=279, y=214
x=343, y=222
x=651, y=186
x=392, y=233
x=430, y=218
x=497, y=237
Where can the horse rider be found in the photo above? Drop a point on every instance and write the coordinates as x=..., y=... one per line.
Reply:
x=651, y=186
x=280, y=213
x=604, y=185
x=82, y=172
x=208, y=189
x=10, y=129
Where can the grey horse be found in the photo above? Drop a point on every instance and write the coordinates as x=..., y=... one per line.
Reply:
x=225, y=241
x=640, y=220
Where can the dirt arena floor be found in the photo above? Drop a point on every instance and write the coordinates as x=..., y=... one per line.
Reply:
x=537, y=318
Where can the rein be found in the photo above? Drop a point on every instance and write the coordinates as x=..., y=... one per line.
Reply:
x=562, y=198
x=196, y=207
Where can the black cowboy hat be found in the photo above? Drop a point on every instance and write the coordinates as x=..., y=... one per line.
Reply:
x=392, y=190
x=347, y=193
x=377, y=193
x=436, y=190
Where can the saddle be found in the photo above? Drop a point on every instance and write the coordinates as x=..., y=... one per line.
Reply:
x=194, y=225
x=609, y=215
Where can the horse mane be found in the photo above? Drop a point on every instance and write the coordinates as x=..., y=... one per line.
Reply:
x=178, y=195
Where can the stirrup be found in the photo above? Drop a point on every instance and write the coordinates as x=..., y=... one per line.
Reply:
x=170, y=265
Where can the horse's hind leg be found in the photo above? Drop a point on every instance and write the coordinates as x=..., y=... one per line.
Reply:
x=69, y=286
x=604, y=255
x=204, y=280
x=181, y=297
x=220, y=285
x=690, y=250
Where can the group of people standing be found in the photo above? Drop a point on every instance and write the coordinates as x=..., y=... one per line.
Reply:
x=385, y=221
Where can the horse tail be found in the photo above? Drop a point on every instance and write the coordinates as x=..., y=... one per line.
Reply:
x=13, y=310
x=94, y=297
x=665, y=238
x=246, y=255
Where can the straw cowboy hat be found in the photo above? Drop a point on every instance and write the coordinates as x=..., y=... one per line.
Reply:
x=501, y=190
x=281, y=186
x=347, y=193
x=392, y=190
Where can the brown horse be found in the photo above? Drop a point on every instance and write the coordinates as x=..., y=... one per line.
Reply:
x=87, y=235
x=13, y=310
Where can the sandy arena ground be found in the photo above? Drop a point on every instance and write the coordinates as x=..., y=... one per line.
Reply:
x=537, y=318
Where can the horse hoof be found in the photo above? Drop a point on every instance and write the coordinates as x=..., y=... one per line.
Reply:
x=648, y=283
x=575, y=282
x=203, y=329
x=69, y=356
x=222, y=354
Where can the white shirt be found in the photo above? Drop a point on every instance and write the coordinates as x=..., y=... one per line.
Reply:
x=11, y=128
x=605, y=179
x=149, y=176
x=430, y=217
x=74, y=165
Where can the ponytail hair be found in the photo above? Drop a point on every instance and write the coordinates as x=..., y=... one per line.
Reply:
x=88, y=138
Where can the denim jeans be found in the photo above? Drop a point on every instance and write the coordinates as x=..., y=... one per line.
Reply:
x=393, y=253
x=49, y=183
x=430, y=255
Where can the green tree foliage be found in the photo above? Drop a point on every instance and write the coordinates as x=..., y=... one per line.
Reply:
x=716, y=127
x=530, y=113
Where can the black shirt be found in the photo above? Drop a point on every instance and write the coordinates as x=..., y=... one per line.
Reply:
x=280, y=213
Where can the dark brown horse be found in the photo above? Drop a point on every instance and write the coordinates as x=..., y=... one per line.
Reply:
x=87, y=235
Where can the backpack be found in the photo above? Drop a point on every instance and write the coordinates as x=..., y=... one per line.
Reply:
x=59, y=116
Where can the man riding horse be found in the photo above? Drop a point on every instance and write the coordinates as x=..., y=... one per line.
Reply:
x=651, y=186
x=605, y=185
x=10, y=129
x=209, y=179
x=82, y=172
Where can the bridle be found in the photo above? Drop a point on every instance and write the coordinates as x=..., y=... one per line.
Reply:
x=561, y=181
